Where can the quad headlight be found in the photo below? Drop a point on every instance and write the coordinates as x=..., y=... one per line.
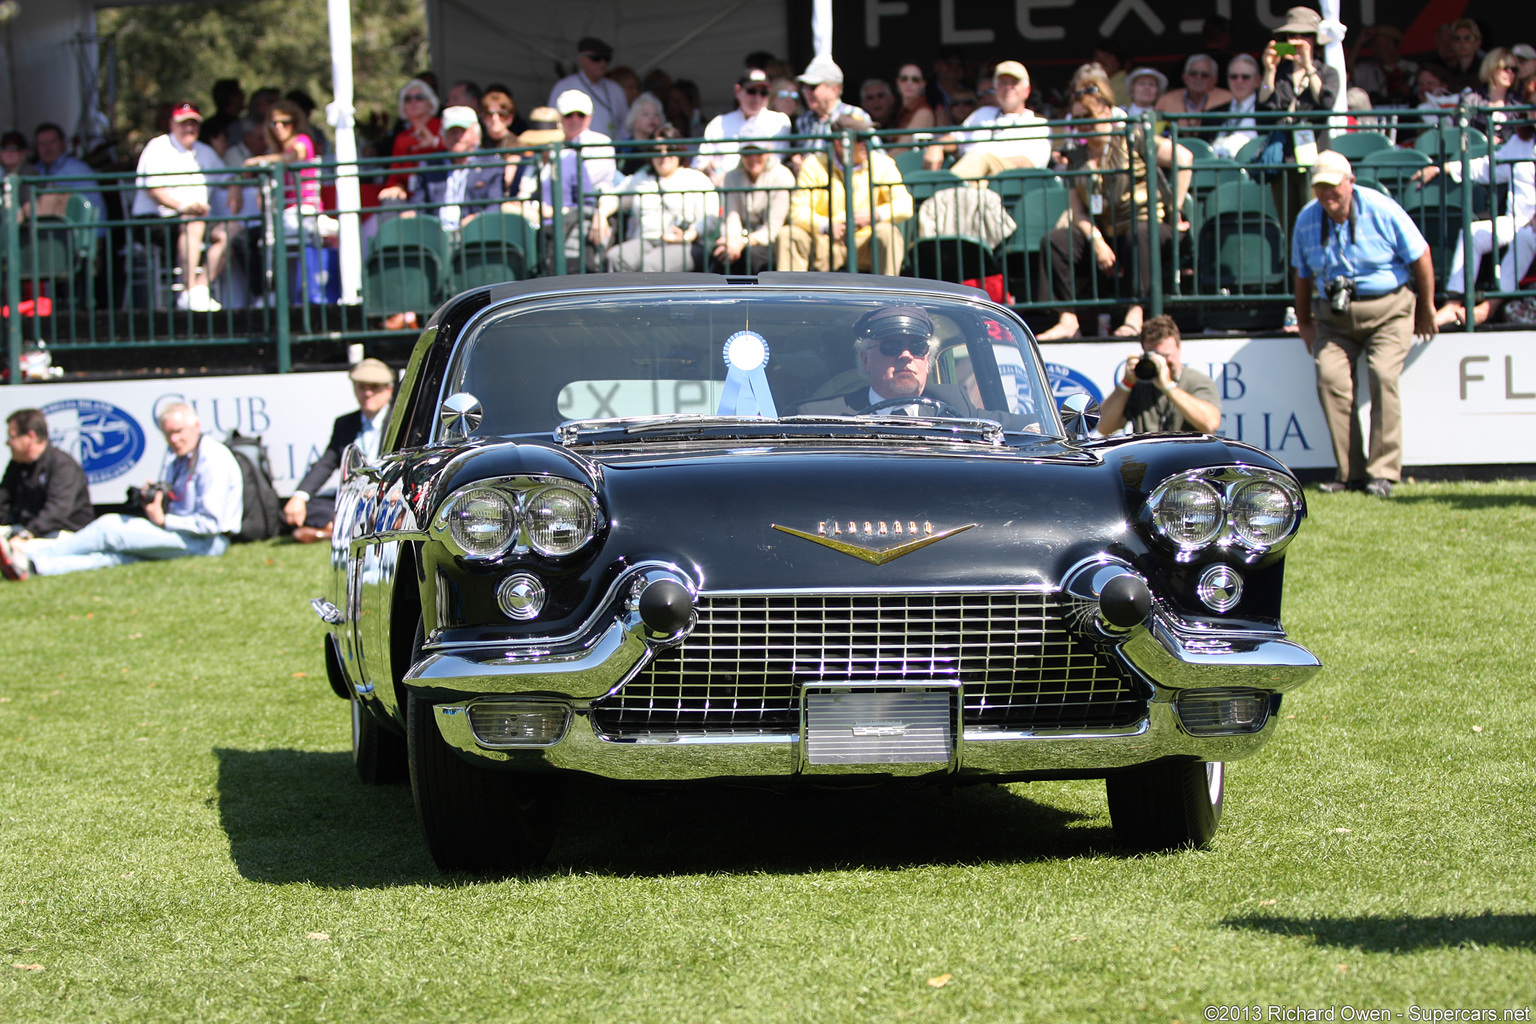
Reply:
x=481, y=521
x=489, y=518
x=559, y=520
x=1250, y=509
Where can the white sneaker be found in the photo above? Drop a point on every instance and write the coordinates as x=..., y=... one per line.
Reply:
x=200, y=301
x=181, y=300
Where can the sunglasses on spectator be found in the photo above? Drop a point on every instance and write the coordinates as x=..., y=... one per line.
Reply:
x=757, y=91
x=1238, y=76
x=895, y=347
x=278, y=121
x=415, y=97
x=909, y=78
x=497, y=112
x=1198, y=73
x=597, y=58
x=1087, y=90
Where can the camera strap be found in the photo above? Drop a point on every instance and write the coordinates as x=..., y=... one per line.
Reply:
x=172, y=489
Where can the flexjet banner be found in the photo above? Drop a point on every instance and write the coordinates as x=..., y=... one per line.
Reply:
x=873, y=36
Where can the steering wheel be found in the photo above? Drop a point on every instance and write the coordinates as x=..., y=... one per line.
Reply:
x=939, y=406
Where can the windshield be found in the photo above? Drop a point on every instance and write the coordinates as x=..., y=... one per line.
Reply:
x=768, y=353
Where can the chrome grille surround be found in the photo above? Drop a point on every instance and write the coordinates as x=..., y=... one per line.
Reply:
x=741, y=671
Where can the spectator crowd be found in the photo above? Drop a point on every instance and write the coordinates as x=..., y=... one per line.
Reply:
x=631, y=189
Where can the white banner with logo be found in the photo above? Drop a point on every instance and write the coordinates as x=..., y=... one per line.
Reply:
x=109, y=426
x=1467, y=400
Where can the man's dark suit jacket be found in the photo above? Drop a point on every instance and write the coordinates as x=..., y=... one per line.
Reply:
x=855, y=402
x=343, y=433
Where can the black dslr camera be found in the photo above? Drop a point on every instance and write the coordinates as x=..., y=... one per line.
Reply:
x=140, y=497
x=1146, y=368
x=1340, y=292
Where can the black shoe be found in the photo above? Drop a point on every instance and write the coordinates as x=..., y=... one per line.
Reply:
x=1379, y=488
x=1332, y=486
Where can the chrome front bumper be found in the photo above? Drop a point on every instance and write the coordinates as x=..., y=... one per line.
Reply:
x=1171, y=657
x=978, y=752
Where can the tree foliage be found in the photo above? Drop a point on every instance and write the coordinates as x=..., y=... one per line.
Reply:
x=167, y=54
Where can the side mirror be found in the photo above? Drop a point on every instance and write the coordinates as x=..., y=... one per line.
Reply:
x=1080, y=415
x=460, y=414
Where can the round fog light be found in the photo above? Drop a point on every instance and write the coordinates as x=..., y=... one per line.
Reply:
x=1220, y=588
x=521, y=597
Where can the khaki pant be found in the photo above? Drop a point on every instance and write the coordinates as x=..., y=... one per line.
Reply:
x=801, y=250
x=1382, y=328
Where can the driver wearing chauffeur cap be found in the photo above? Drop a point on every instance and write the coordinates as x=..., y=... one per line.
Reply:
x=895, y=347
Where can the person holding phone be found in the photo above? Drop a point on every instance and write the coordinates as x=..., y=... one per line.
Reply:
x=1296, y=80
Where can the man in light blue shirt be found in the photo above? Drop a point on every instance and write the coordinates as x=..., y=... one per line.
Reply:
x=200, y=505
x=1364, y=283
x=54, y=160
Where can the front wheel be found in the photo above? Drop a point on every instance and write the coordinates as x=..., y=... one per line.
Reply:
x=475, y=819
x=1167, y=806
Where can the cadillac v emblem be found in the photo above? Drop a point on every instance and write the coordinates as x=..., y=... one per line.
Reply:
x=845, y=535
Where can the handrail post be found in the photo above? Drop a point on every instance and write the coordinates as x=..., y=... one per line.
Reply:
x=277, y=239
x=1468, y=265
x=582, y=226
x=1154, y=200
x=850, y=244
x=12, y=277
x=557, y=201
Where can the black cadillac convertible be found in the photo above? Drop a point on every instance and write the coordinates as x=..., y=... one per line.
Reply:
x=792, y=529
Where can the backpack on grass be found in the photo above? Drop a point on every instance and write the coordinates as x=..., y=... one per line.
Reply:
x=263, y=517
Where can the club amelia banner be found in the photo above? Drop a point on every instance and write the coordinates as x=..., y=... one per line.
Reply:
x=1467, y=400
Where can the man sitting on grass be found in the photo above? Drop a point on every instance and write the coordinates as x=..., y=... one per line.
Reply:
x=192, y=513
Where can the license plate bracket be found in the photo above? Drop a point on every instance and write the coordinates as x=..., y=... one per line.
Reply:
x=901, y=728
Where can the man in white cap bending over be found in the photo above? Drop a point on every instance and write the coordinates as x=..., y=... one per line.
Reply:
x=1364, y=283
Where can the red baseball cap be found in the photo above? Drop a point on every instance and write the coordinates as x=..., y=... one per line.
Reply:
x=185, y=112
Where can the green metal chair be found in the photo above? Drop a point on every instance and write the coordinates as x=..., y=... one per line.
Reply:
x=1034, y=215
x=493, y=248
x=406, y=270
x=1393, y=168
x=1240, y=243
x=1359, y=145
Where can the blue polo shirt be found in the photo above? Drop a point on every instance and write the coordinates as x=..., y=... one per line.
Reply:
x=1384, y=245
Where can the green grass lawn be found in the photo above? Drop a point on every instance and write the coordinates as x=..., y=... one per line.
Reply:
x=182, y=837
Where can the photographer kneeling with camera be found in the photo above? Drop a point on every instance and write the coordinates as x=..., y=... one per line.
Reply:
x=1157, y=392
x=192, y=512
x=1365, y=282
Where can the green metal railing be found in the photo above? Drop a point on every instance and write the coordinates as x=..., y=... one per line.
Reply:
x=112, y=282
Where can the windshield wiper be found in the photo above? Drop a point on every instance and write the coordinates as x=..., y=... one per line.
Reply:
x=573, y=431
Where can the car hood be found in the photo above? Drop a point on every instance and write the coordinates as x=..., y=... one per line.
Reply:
x=839, y=516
